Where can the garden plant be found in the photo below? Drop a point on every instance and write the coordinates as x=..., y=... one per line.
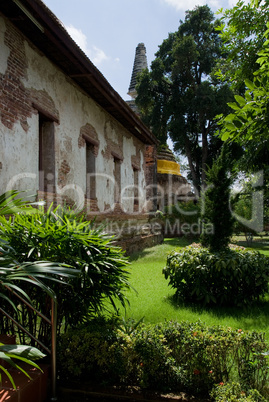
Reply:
x=166, y=357
x=60, y=236
x=15, y=275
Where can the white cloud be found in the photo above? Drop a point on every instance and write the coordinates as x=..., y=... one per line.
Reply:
x=96, y=55
x=79, y=37
x=183, y=5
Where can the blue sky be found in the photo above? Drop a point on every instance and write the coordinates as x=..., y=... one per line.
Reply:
x=108, y=31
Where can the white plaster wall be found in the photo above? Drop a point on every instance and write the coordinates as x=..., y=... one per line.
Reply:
x=19, y=158
x=129, y=149
x=20, y=149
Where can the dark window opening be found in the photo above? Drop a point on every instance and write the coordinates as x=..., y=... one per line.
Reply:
x=117, y=178
x=90, y=171
x=136, y=190
x=46, y=155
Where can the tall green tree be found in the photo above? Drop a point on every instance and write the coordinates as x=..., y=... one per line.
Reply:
x=179, y=98
x=242, y=33
x=245, y=37
x=216, y=217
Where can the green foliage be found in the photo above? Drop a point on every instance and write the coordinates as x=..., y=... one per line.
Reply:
x=58, y=237
x=179, y=98
x=12, y=269
x=12, y=202
x=244, y=32
x=233, y=392
x=231, y=277
x=24, y=354
x=249, y=118
x=217, y=219
x=172, y=356
x=186, y=212
x=241, y=30
x=243, y=208
x=15, y=275
x=249, y=208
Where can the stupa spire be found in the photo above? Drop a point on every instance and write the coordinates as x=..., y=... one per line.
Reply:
x=140, y=63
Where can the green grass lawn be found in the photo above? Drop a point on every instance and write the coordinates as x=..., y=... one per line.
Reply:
x=154, y=300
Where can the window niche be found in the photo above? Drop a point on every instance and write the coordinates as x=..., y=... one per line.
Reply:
x=90, y=171
x=136, y=188
x=117, y=181
x=91, y=152
x=46, y=154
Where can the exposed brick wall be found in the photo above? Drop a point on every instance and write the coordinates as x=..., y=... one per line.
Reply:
x=132, y=233
x=62, y=173
x=150, y=168
x=15, y=100
x=18, y=104
x=91, y=206
x=136, y=159
x=44, y=103
x=88, y=133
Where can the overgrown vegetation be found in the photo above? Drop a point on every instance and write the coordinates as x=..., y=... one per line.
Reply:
x=233, y=392
x=15, y=274
x=63, y=237
x=169, y=356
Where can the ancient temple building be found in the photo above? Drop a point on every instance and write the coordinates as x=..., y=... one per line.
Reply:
x=171, y=185
x=66, y=135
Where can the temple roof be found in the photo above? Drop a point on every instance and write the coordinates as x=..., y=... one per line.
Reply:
x=37, y=22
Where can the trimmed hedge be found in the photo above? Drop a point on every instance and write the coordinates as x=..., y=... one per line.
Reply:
x=172, y=356
x=230, y=277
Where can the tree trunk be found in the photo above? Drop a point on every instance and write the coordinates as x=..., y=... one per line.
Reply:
x=204, y=157
x=189, y=155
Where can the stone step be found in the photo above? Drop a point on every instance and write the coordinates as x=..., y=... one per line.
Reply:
x=34, y=390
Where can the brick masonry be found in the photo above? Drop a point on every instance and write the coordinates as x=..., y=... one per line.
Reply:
x=15, y=100
x=21, y=104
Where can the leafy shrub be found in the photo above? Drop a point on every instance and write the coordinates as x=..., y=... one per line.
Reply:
x=158, y=369
x=88, y=353
x=108, y=354
x=234, y=277
x=63, y=237
x=209, y=355
x=233, y=392
x=171, y=356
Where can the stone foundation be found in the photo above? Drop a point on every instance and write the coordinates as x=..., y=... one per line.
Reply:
x=131, y=232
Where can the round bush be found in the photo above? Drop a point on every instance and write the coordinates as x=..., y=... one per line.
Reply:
x=230, y=277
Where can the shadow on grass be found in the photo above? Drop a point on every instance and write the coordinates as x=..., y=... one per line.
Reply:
x=258, y=242
x=260, y=245
x=254, y=315
x=174, y=242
